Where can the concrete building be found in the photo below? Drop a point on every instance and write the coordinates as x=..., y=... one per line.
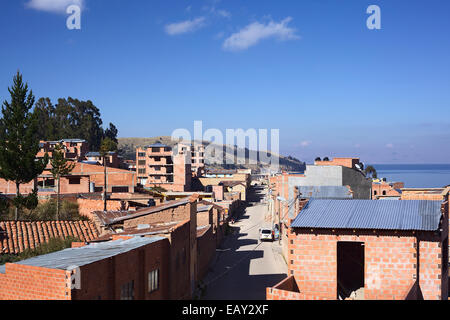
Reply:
x=157, y=166
x=367, y=250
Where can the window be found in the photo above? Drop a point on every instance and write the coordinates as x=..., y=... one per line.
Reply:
x=141, y=154
x=157, y=168
x=74, y=180
x=141, y=171
x=127, y=291
x=141, y=162
x=120, y=189
x=153, y=280
x=384, y=192
x=375, y=193
x=157, y=158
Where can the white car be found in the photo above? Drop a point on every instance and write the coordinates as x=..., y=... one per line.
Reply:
x=265, y=234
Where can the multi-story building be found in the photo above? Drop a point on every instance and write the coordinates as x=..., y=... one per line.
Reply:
x=157, y=166
x=196, y=152
x=73, y=149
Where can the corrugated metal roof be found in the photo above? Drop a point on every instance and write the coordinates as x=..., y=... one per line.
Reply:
x=325, y=192
x=88, y=254
x=370, y=214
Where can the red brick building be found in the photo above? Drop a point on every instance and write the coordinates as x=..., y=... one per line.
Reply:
x=84, y=178
x=366, y=249
x=157, y=166
x=383, y=189
x=169, y=212
x=123, y=269
x=177, y=233
x=73, y=149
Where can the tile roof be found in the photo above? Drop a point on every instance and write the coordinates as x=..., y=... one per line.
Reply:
x=370, y=214
x=17, y=236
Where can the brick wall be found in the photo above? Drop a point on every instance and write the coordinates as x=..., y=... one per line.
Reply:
x=379, y=188
x=99, y=280
x=104, y=279
x=205, y=218
x=389, y=266
x=288, y=290
x=87, y=206
x=22, y=282
x=206, y=249
x=180, y=257
x=345, y=162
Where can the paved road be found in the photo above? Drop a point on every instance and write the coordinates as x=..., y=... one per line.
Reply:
x=243, y=266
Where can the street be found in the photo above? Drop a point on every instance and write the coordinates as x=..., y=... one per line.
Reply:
x=244, y=266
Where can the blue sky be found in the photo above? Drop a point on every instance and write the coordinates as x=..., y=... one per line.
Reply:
x=310, y=68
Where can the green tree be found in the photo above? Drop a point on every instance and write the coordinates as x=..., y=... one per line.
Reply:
x=72, y=119
x=60, y=167
x=106, y=146
x=19, y=142
x=46, y=113
x=370, y=171
x=111, y=133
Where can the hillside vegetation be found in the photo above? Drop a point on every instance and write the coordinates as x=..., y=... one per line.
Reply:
x=127, y=149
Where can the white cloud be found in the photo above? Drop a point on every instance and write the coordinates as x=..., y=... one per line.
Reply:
x=57, y=6
x=305, y=143
x=185, y=26
x=224, y=13
x=390, y=146
x=255, y=32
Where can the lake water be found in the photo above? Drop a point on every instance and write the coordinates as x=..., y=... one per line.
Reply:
x=416, y=175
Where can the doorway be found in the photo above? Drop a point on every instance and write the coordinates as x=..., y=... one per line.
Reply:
x=350, y=270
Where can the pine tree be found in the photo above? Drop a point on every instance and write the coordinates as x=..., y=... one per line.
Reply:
x=19, y=143
x=60, y=167
x=106, y=146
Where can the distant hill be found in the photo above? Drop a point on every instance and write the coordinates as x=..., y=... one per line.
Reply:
x=127, y=149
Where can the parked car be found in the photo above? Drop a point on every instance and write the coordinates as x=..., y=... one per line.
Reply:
x=265, y=234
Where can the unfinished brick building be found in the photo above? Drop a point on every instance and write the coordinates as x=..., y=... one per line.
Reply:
x=158, y=166
x=172, y=211
x=123, y=269
x=367, y=249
